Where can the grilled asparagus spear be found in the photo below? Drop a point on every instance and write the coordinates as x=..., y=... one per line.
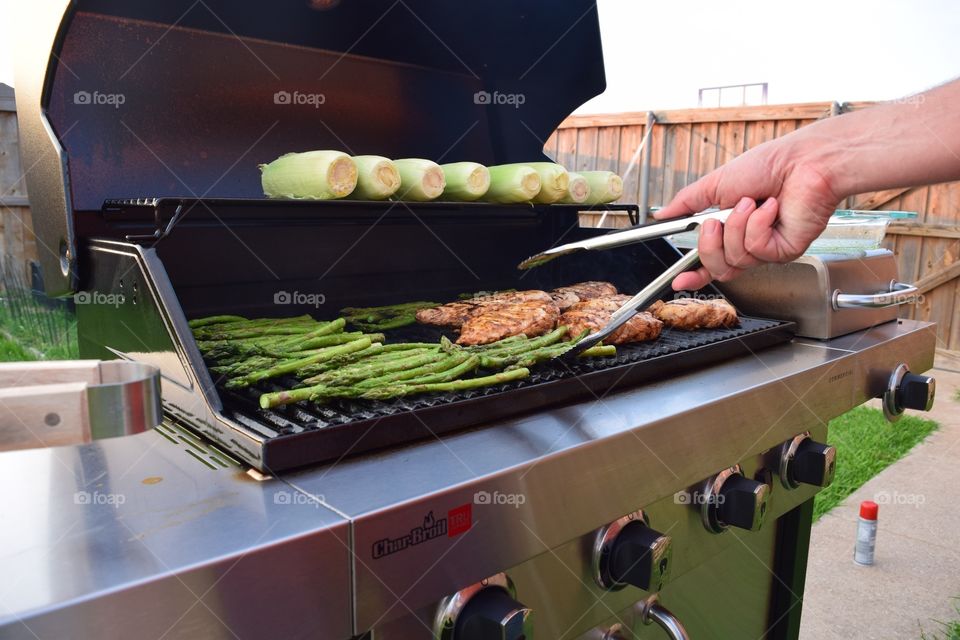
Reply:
x=290, y=366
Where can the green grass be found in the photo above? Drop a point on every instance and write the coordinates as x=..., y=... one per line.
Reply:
x=948, y=630
x=866, y=445
x=12, y=352
x=956, y=395
x=29, y=325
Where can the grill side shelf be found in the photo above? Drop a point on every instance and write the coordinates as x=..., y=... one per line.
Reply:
x=308, y=433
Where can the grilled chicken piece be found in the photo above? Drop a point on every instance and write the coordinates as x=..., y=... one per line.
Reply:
x=594, y=314
x=566, y=297
x=454, y=314
x=531, y=318
x=695, y=313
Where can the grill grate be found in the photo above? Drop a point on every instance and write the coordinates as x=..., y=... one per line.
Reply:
x=243, y=406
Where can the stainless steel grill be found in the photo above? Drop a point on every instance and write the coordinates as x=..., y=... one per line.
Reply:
x=434, y=516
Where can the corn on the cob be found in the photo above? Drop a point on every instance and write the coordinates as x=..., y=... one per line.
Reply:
x=466, y=181
x=377, y=178
x=511, y=183
x=312, y=175
x=605, y=186
x=420, y=180
x=554, y=181
x=578, y=190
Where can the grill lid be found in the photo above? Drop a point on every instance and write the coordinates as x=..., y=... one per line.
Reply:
x=185, y=98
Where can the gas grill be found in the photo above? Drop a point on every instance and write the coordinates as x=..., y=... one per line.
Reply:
x=606, y=495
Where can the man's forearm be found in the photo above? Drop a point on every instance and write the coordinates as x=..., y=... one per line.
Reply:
x=905, y=143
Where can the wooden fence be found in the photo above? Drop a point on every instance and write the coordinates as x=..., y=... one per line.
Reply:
x=687, y=144
x=18, y=245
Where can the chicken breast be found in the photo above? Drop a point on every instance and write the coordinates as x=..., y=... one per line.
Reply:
x=593, y=315
x=695, y=313
x=566, y=297
x=454, y=314
x=531, y=318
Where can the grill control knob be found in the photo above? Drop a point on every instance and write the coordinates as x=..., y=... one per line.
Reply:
x=731, y=500
x=806, y=461
x=484, y=611
x=907, y=390
x=628, y=551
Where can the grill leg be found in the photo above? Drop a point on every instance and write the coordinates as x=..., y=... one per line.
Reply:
x=790, y=567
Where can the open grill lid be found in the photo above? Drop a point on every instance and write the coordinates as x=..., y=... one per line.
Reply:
x=126, y=100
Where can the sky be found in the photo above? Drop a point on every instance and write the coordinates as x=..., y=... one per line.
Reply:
x=658, y=54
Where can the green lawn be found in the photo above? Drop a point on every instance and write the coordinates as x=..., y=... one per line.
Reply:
x=866, y=445
x=13, y=352
x=31, y=328
x=947, y=630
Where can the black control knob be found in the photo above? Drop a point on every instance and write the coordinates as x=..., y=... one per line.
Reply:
x=916, y=392
x=806, y=461
x=492, y=614
x=639, y=556
x=742, y=502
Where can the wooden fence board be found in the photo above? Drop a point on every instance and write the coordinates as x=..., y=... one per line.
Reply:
x=608, y=149
x=630, y=139
x=567, y=147
x=550, y=146
x=587, y=149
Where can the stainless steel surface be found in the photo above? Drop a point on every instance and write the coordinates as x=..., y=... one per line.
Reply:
x=625, y=237
x=159, y=536
x=38, y=26
x=148, y=326
x=72, y=402
x=802, y=291
x=641, y=301
x=899, y=293
x=651, y=611
x=636, y=444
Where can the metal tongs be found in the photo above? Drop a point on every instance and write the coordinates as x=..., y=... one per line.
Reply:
x=621, y=238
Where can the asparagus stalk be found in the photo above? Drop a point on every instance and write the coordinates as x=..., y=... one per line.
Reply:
x=578, y=191
x=433, y=367
x=494, y=360
x=312, y=175
x=338, y=362
x=331, y=327
x=511, y=183
x=466, y=181
x=256, y=332
x=383, y=393
x=196, y=323
x=406, y=346
x=554, y=182
x=605, y=186
x=420, y=179
x=377, y=178
x=453, y=373
x=289, y=366
x=359, y=372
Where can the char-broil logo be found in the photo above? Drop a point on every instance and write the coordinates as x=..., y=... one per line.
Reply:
x=457, y=521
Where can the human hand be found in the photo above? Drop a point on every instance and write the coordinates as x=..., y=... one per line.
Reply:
x=797, y=202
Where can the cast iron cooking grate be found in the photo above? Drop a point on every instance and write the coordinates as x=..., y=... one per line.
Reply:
x=672, y=352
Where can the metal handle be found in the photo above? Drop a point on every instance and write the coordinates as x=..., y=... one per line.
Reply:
x=899, y=293
x=650, y=611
